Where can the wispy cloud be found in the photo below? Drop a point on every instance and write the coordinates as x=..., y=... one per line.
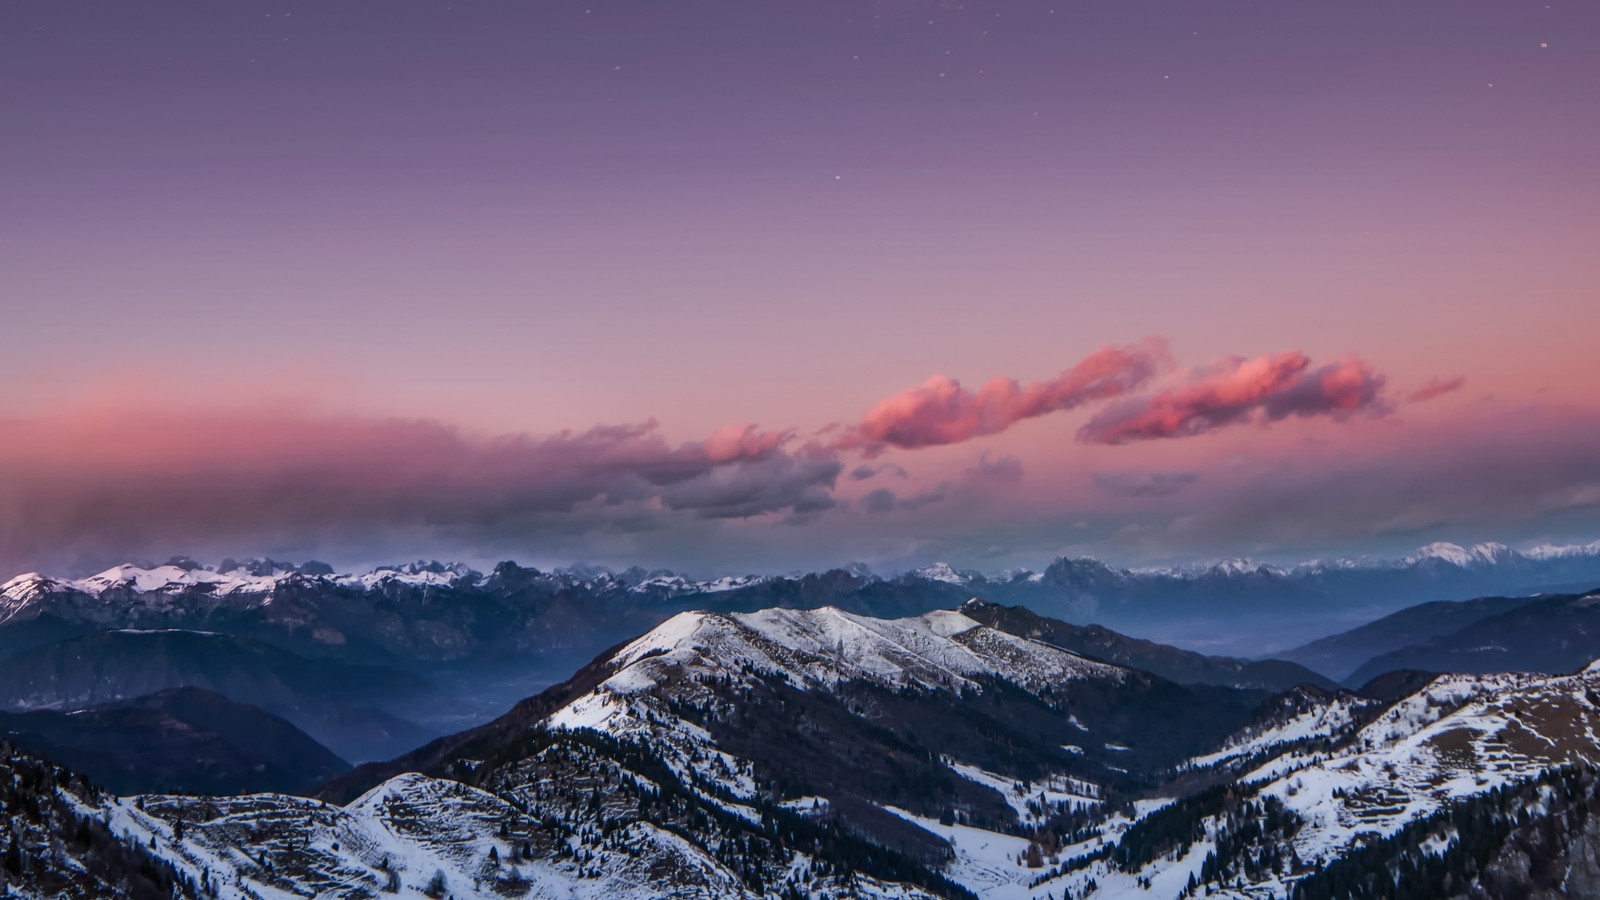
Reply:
x=1436, y=387
x=1144, y=484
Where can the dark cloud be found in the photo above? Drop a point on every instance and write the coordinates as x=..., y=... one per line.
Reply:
x=969, y=485
x=884, y=500
x=867, y=470
x=1436, y=387
x=149, y=482
x=881, y=500
x=1003, y=469
x=926, y=498
x=1144, y=484
x=752, y=487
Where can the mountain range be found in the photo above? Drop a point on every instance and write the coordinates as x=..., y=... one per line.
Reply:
x=355, y=708
x=782, y=753
x=927, y=735
x=182, y=739
x=436, y=616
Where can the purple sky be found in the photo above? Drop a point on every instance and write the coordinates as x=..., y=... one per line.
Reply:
x=348, y=253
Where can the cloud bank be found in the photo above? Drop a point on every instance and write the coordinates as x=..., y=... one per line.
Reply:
x=111, y=478
x=131, y=477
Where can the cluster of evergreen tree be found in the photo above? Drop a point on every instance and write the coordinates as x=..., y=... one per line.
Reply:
x=1253, y=843
x=1171, y=829
x=572, y=772
x=1451, y=853
x=1250, y=836
x=49, y=848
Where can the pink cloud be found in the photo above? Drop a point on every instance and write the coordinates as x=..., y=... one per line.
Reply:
x=1436, y=387
x=141, y=472
x=138, y=478
x=1229, y=391
x=941, y=411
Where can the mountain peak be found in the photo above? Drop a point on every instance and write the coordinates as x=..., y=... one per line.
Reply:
x=1444, y=551
x=1484, y=554
x=825, y=646
x=1239, y=566
x=941, y=571
x=1563, y=551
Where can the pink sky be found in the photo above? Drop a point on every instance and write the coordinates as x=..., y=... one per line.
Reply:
x=276, y=234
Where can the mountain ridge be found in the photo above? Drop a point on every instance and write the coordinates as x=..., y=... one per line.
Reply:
x=1235, y=609
x=179, y=740
x=355, y=708
x=1552, y=633
x=1181, y=666
x=786, y=753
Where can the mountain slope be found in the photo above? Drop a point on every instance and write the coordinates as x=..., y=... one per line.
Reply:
x=1175, y=664
x=335, y=701
x=1549, y=634
x=819, y=753
x=1537, y=840
x=714, y=658
x=183, y=739
x=883, y=728
x=55, y=843
x=1321, y=779
x=1340, y=655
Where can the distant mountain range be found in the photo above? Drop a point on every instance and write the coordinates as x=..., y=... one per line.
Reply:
x=1558, y=633
x=436, y=615
x=185, y=740
x=1181, y=666
x=1342, y=654
x=354, y=708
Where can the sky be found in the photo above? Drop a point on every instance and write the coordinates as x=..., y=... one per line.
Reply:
x=755, y=286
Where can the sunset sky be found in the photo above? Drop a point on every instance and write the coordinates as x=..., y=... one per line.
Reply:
x=725, y=286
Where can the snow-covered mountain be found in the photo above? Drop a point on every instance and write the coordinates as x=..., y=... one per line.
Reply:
x=873, y=728
x=767, y=754
x=425, y=615
x=943, y=573
x=781, y=753
x=262, y=575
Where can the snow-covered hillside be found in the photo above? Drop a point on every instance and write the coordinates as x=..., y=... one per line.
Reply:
x=813, y=753
x=756, y=715
x=939, y=649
